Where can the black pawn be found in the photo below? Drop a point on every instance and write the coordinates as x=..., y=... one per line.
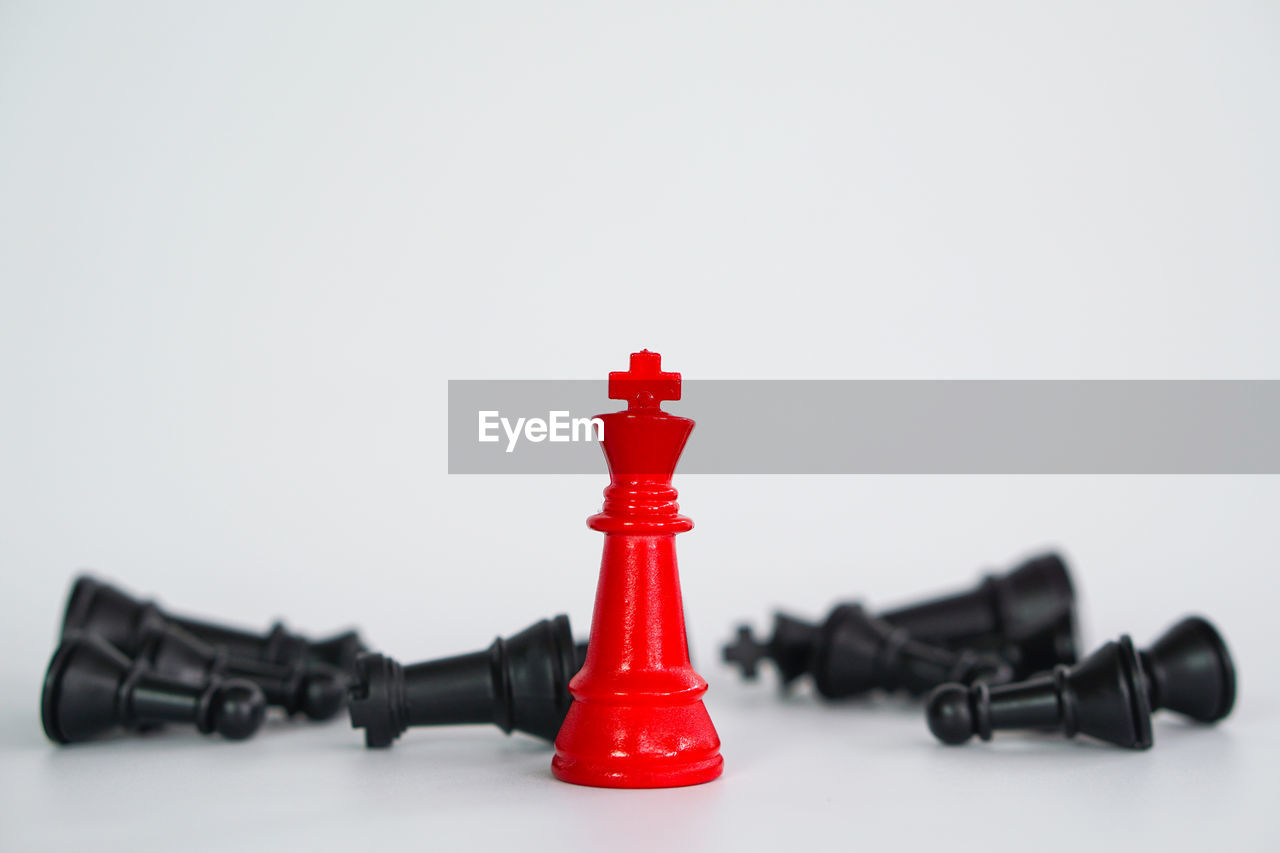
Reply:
x=316, y=690
x=520, y=683
x=1026, y=615
x=123, y=620
x=91, y=687
x=1109, y=695
x=854, y=652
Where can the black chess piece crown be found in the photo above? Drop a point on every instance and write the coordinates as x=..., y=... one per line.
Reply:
x=520, y=683
x=1108, y=696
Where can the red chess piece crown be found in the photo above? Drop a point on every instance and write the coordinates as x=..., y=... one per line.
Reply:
x=637, y=720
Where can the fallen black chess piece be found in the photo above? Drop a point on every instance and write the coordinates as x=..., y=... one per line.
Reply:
x=853, y=652
x=91, y=687
x=315, y=690
x=1027, y=616
x=520, y=683
x=102, y=609
x=1108, y=696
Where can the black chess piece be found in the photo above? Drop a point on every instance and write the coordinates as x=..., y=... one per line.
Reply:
x=790, y=647
x=1189, y=671
x=520, y=683
x=853, y=652
x=1026, y=615
x=315, y=690
x=1109, y=695
x=110, y=612
x=92, y=687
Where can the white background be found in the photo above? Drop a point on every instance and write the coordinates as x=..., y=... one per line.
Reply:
x=244, y=245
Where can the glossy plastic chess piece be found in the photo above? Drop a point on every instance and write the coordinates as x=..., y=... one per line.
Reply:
x=91, y=687
x=316, y=690
x=853, y=652
x=520, y=683
x=110, y=612
x=1026, y=615
x=790, y=647
x=1189, y=671
x=637, y=719
x=1109, y=695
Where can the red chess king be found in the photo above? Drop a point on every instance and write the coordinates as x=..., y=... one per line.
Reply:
x=637, y=719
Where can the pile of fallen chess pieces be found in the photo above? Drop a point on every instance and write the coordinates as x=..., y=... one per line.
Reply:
x=1002, y=655
x=125, y=663
x=625, y=709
